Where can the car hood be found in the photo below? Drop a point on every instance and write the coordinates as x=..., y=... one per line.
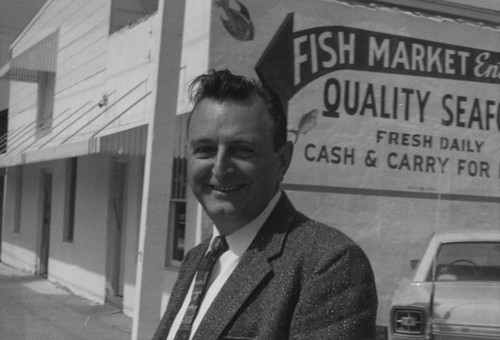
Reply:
x=410, y=293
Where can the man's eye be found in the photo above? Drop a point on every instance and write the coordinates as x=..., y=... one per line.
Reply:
x=204, y=151
x=243, y=151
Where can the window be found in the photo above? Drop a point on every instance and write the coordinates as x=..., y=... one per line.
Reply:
x=69, y=223
x=177, y=214
x=468, y=261
x=37, y=65
x=46, y=85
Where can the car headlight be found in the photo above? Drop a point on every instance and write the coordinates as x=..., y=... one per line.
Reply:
x=408, y=320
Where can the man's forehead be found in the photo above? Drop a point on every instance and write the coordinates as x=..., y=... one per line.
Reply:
x=250, y=102
x=252, y=110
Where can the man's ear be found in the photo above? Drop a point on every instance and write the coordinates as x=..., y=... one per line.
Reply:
x=285, y=154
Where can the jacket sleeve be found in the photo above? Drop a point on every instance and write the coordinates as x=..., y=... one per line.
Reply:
x=338, y=300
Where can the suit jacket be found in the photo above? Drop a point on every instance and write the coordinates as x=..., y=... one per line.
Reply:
x=299, y=279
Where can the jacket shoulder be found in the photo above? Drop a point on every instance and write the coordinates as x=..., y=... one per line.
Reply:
x=318, y=246
x=316, y=232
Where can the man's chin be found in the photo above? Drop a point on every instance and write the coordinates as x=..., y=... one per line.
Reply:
x=218, y=208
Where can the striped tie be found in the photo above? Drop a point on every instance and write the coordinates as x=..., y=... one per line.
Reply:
x=219, y=246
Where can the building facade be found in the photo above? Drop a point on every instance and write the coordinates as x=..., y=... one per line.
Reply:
x=93, y=161
x=80, y=102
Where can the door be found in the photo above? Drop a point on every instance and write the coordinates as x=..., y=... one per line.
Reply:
x=2, y=181
x=43, y=256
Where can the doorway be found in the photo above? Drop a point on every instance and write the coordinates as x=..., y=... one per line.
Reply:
x=116, y=234
x=2, y=181
x=46, y=204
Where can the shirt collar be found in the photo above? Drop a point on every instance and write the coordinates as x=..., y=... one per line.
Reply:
x=240, y=240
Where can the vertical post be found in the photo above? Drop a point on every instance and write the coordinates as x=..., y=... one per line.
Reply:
x=158, y=170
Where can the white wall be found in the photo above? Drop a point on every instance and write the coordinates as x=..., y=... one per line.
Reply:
x=195, y=48
x=80, y=265
x=129, y=76
x=19, y=249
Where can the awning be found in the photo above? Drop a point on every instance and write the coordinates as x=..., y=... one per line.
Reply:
x=131, y=142
x=27, y=66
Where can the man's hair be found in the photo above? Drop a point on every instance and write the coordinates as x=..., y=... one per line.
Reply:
x=223, y=85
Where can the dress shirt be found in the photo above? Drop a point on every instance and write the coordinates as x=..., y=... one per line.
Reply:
x=238, y=242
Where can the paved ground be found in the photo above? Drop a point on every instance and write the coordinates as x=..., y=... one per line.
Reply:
x=32, y=308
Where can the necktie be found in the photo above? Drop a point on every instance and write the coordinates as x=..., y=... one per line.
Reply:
x=218, y=246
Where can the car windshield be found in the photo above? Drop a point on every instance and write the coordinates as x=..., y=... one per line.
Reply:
x=467, y=261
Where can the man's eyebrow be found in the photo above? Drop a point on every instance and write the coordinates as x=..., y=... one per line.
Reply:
x=197, y=141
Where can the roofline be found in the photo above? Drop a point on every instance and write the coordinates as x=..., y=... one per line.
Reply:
x=433, y=7
x=444, y=8
x=31, y=22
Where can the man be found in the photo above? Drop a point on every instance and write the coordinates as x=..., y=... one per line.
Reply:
x=284, y=276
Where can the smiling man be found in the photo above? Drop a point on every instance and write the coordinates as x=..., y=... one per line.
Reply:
x=268, y=271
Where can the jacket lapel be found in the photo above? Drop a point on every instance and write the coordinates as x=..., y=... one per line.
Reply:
x=254, y=266
x=181, y=288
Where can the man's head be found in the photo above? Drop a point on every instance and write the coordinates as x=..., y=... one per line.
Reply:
x=238, y=153
x=226, y=86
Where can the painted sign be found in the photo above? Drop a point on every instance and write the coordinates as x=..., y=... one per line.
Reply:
x=373, y=110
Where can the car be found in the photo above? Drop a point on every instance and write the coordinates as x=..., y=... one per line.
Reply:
x=455, y=290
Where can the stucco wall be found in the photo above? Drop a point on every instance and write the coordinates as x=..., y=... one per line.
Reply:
x=299, y=49
x=392, y=231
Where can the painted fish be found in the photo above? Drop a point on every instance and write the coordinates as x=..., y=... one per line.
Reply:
x=306, y=123
x=237, y=22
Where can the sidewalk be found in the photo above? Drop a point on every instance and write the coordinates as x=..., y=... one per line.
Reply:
x=32, y=308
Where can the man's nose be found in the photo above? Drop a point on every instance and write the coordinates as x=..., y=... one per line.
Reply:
x=222, y=164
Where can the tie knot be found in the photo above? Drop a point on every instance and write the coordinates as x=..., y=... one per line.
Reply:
x=219, y=245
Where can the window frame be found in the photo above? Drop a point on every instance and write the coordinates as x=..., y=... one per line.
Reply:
x=45, y=102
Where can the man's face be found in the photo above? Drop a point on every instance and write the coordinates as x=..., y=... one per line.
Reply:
x=233, y=169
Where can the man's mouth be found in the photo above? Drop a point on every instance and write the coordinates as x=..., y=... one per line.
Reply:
x=228, y=188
